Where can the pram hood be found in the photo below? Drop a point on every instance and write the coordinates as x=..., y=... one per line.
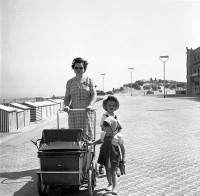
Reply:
x=62, y=139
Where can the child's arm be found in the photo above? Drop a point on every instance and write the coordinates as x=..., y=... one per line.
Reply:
x=95, y=142
x=123, y=152
x=119, y=125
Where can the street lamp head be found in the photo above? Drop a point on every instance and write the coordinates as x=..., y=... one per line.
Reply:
x=103, y=74
x=164, y=58
x=131, y=69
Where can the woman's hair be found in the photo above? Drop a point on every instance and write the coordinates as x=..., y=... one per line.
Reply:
x=80, y=60
x=105, y=124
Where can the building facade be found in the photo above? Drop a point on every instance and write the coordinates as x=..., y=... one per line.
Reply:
x=193, y=71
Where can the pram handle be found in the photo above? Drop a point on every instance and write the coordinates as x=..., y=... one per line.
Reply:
x=36, y=142
x=81, y=109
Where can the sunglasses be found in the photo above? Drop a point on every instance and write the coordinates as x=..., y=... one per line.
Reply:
x=76, y=68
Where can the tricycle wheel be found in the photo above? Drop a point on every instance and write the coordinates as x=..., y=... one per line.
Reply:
x=90, y=182
x=42, y=188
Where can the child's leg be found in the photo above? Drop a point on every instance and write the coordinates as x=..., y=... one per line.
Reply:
x=114, y=178
x=101, y=169
x=109, y=178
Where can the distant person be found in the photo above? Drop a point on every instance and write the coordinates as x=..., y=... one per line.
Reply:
x=112, y=152
x=110, y=105
x=80, y=94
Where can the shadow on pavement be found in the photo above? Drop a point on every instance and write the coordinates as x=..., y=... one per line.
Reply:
x=17, y=179
x=25, y=182
x=102, y=192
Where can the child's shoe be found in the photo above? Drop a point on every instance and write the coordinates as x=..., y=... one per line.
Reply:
x=114, y=192
x=109, y=187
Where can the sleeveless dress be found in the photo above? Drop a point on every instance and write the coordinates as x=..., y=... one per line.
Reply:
x=109, y=155
x=80, y=98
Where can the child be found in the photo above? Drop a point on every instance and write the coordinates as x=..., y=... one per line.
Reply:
x=112, y=151
x=110, y=105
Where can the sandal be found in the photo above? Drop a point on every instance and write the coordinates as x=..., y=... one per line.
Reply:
x=109, y=188
x=114, y=193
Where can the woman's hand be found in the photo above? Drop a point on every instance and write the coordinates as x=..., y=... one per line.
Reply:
x=66, y=109
x=89, y=108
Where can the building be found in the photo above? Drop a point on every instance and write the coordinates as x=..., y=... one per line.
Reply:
x=193, y=71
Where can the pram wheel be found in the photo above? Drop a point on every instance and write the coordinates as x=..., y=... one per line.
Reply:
x=90, y=182
x=42, y=188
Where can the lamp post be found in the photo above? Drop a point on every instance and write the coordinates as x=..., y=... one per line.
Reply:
x=164, y=59
x=103, y=75
x=131, y=71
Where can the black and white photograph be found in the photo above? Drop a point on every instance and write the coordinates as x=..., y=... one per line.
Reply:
x=100, y=97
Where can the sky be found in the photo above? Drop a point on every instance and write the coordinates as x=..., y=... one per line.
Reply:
x=39, y=40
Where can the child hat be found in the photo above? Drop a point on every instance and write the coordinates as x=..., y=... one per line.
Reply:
x=112, y=122
x=111, y=97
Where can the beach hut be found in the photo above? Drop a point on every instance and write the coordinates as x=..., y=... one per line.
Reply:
x=53, y=106
x=50, y=107
x=8, y=119
x=46, y=110
x=58, y=101
x=56, y=106
x=35, y=111
x=20, y=118
x=26, y=112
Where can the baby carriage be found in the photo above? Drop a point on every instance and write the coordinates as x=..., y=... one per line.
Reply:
x=65, y=159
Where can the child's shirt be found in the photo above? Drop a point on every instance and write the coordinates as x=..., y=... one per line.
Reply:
x=106, y=115
x=117, y=140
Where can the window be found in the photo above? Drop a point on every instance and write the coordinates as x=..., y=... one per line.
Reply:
x=196, y=83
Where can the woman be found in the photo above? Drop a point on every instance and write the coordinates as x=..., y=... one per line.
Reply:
x=80, y=94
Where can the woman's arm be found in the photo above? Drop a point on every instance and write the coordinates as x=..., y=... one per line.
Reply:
x=67, y=99
x=93, y=96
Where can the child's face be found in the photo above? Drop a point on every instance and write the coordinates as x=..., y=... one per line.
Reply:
x=108, y=130
x=111, y=106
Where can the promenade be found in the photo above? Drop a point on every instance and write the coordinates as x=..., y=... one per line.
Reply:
x=162, y=150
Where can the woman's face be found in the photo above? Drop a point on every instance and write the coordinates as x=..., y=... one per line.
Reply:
x=79, y=69
x=108, y=130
